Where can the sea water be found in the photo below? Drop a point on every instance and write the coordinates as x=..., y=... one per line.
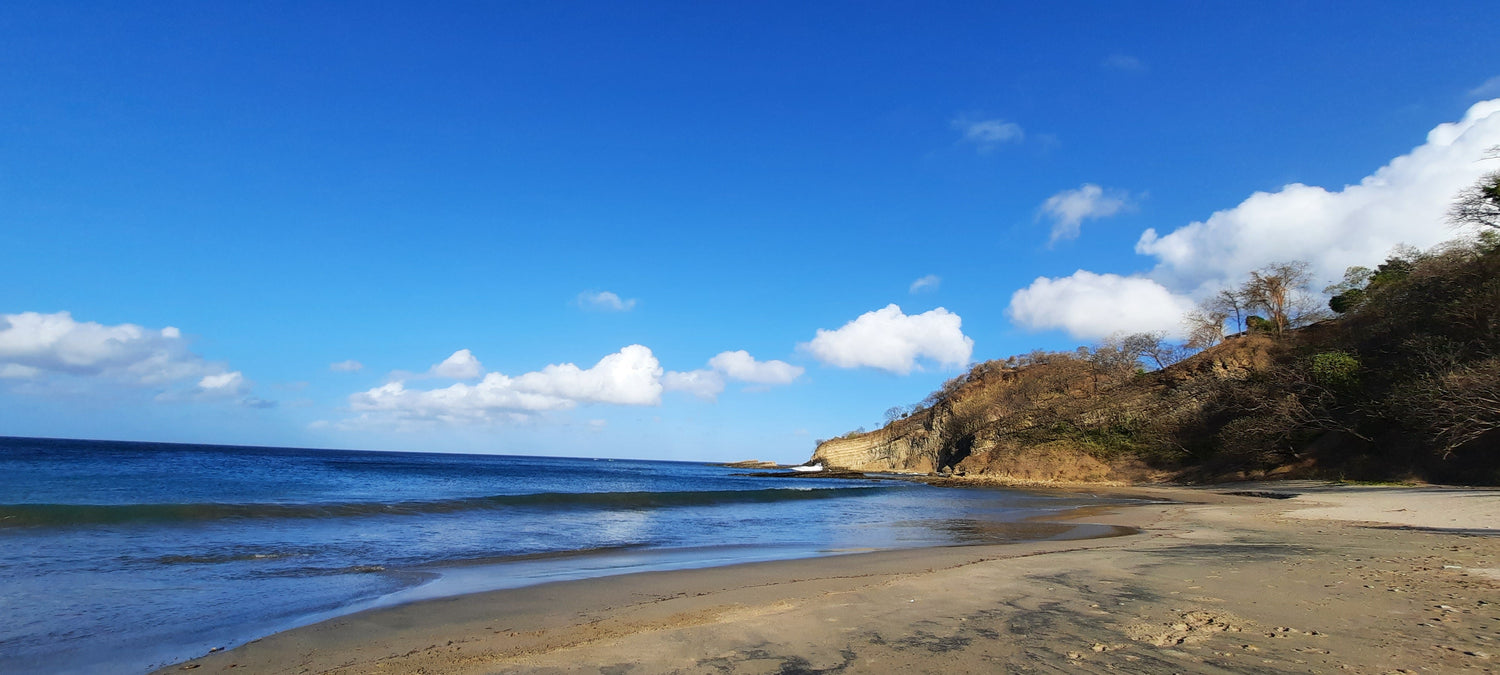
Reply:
x=118, y=557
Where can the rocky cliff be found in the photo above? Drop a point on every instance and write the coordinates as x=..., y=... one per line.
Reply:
x=1059, y=418
x=1404, y=384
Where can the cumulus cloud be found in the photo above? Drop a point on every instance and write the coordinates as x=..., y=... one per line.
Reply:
x=988, y=134
x=740, y=365
x=1402, y=202
x=605, y=301
x=1124, y=63
x=346, y=366
x=736, y=365
x=1068, y=209
x=460, y=366
x=927, y=283
x=55, y=343
x=35, y=346
x=631, y=376
x=701, y=383
x=892, y=341
x=1089, y=305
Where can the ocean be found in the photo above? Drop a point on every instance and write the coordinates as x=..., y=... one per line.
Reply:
x=121, y=557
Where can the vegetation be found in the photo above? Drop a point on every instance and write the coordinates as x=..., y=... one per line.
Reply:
x=1478, y=206
x=1403, y=383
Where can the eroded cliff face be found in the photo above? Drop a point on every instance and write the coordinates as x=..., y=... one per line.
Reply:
x=911, y=445
x=1046, y=423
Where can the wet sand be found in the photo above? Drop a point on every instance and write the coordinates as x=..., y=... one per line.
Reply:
x=1337, y=579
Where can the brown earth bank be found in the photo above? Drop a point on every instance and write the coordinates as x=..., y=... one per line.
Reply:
x=1296, y=577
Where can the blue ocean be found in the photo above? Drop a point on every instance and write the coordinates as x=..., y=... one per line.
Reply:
x=119, y=557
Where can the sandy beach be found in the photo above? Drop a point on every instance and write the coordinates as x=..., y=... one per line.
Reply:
x=1334, y=579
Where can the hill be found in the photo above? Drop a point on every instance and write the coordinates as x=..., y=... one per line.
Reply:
x=1403, y=385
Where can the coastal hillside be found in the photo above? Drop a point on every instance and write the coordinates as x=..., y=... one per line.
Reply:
x=1403, y=383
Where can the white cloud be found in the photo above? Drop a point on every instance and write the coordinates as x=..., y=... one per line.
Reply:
x=890, y=340
x=988, y=134
x=230, y=382
x=701, y=383
x=43, y=347
x=1403, y=202
x=740, y=365
x=631, y=376
x=346, y=366
x=1069, y=208
x=35, y=346
x=225, y=386
x=460, y=366
x=927, y=283
x=736, y=365
x=1089, y=305
x=1489, y=89
x=1124, y=63
x=56, y=343
x=604, y=301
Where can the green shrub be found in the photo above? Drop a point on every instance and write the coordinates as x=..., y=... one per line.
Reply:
x=1337, y=369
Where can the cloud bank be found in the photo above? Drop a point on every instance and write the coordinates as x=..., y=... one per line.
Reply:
x=35, y=347
x=631, y=376
x=1403, y=202
x=890, y=340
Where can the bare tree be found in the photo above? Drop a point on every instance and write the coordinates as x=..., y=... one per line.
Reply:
x=1479, y=204
x=1281, y=290
x=1231, y=302
x=1152, y=347
x=1462, y=404
x=1205, y=325
x=1106, y=360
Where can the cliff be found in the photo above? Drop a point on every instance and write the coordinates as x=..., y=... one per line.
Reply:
x=1057, y=418
x=1404, y=384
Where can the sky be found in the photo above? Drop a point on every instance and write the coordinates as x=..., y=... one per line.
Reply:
x=672, y=230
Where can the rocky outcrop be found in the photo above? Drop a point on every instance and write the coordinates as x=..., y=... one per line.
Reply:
x=921, y=443
x=899, y=450
x=1054, y=421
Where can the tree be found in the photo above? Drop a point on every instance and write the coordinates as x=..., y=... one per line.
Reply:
x=1106, y=360
x=1281, y=290
x=1348, y=294
x=1479, y=204
x=1205, y=325
x=1231, y=302
x=1145, y=346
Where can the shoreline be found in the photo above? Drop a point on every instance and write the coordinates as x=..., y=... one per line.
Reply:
x=1212, y=582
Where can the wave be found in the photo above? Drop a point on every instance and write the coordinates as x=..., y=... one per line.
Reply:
x=61, y=515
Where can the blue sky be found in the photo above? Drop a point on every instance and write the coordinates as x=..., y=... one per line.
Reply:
x=227, y=200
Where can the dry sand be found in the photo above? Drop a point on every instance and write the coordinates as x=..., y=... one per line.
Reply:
x=1337, y=579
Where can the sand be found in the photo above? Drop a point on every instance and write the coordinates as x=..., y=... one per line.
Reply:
x=1336, y=579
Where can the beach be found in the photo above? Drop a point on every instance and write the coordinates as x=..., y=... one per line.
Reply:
x=1334, y=579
